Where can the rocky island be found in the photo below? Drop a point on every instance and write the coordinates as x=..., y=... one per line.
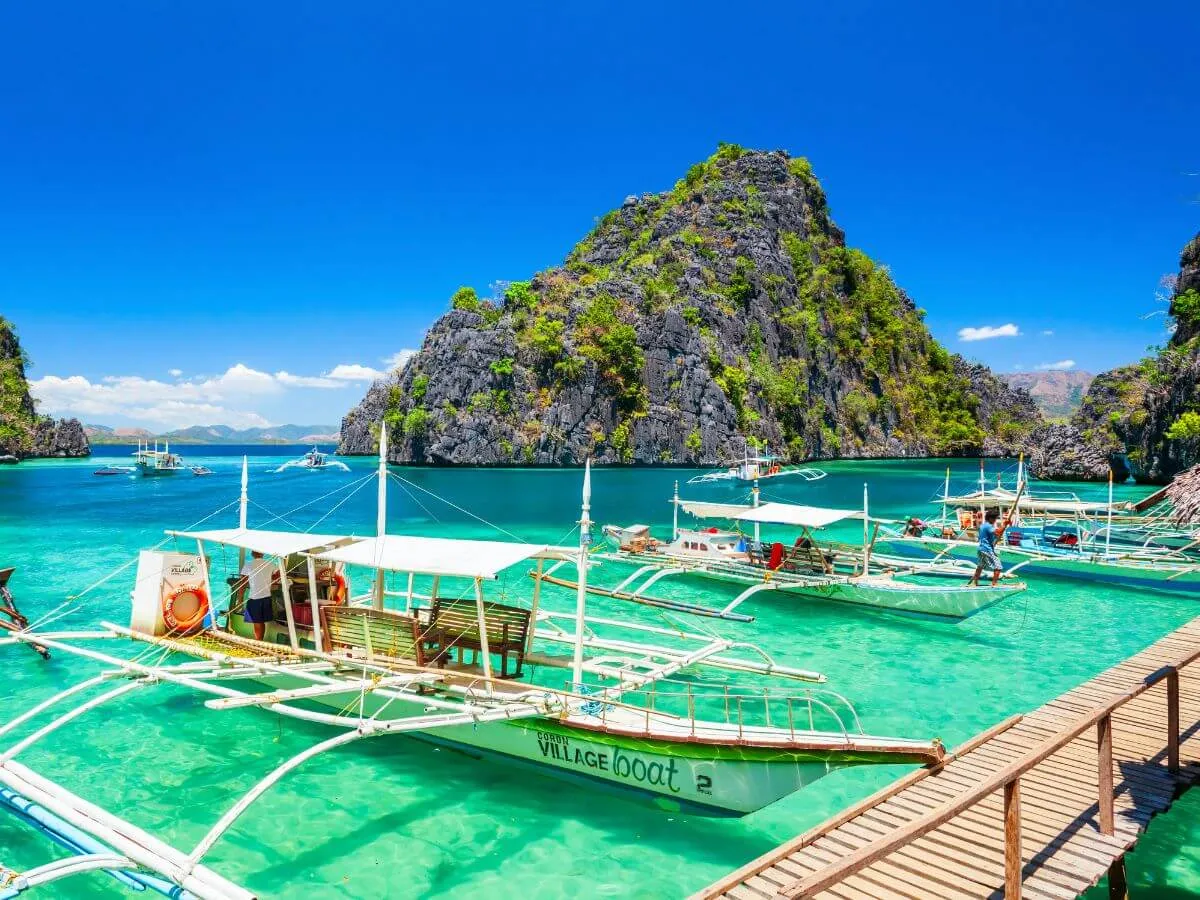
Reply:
x=727, y=309
x=24, y=433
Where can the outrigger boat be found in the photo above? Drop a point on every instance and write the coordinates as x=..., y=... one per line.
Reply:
x=809, y=567
x=755, y=467
x=634, y=715
x=1077, y=548
x=156, y=462
x=314, y=461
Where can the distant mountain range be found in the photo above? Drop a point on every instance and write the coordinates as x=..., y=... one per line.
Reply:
x=1057, y=394
x=218, y=434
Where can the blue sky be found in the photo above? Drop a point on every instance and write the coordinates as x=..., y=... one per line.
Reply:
x=236, y=190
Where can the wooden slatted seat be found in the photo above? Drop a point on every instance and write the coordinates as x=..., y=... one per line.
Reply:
x=808, y=558
x=380, y=635
x=454, y=624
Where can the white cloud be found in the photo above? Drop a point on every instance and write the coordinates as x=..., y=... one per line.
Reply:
x=987, y=332
x=224, y=399
x=353, y=372
x=175, y=373
x=1047, y=333
x=1018, y=367
x=1061, y=366
x=399, y=359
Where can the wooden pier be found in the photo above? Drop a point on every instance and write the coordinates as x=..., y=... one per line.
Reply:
x=1041, y=805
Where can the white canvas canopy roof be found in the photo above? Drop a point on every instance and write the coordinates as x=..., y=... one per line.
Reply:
x=796, y=514
x=703, y=510
x=441, y=556
x=271, y=543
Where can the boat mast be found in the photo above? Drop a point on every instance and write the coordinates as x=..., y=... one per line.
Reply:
x=585, y=538
x=866, y=531
x=381, y=508
x=243, y=508
x=675, y=513
x=1108, y=530
x=946, y=495
x=754, y=499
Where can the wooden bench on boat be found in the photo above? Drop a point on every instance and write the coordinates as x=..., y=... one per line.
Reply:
x=382, y=635
x=807, y=557
x=454, y=624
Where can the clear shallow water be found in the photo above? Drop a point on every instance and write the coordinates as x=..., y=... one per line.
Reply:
x=394, y=817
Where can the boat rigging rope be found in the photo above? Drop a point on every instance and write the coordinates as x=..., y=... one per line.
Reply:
x=454, y=505
x=56, y=612
x=354, y=484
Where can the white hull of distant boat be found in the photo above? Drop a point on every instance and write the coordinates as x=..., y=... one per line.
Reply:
x=315, y=461
x=754, y=468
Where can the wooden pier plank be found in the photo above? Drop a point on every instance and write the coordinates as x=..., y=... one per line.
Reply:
x=1061, y=818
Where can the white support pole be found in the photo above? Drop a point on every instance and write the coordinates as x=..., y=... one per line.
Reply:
x=675, y=514
x=287, y=603
x=381, y=508
x=866, y=531
x=754, y=493
x=243, y=509
x=585, y=538
x=433, y=588
x=533, y=608
x=206, y=582
x=483, y=638
x=315, y=604
x=946, y=495
x=408, y=597
x=1108, y=531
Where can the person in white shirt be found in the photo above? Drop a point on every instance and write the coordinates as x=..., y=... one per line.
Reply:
x=258, y=573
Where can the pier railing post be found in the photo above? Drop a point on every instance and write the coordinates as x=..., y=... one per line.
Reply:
x=1012, y=840
x=1173, y=721
x=1105, y=774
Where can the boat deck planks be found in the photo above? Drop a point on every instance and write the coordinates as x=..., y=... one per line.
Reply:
x=1064, y=847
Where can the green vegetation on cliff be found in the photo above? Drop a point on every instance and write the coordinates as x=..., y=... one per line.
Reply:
x=726, y=308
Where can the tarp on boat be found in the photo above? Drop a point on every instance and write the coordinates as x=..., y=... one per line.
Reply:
x=270, y=543
x=442, y=556
x=797, y=514
x=702, y=510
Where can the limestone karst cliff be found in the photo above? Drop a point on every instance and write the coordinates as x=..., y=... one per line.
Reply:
x=24, y=433
x=727, y=308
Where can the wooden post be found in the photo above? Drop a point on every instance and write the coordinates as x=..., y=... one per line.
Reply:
x=1173, y=721
x=1105, y=774
x=1012, y=840
x=1118, y=884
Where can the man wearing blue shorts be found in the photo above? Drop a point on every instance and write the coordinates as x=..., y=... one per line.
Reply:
x=258, y=573
x=988, y=535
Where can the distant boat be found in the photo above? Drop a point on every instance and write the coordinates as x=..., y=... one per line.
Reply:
x=201, y=470
x=157, y=462
x=757, y=467
x=314, y=461
x=115, y=470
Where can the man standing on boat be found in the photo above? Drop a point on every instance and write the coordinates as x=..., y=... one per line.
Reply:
x=988, y=535
x=258, y=573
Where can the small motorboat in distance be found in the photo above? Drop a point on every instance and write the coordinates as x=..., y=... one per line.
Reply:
x=115, y=470
x=201, y=470
x=314, y=461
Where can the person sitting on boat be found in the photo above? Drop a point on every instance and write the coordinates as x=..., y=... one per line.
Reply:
x=914, y=527
x=258, y=573
x=988, y=535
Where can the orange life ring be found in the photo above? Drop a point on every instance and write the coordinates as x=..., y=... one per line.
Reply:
x=185, y=609
x=330, y=575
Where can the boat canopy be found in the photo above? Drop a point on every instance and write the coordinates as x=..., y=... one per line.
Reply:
x=271, y=543
x=703, y=510
x=797, y=514
x=442, y=556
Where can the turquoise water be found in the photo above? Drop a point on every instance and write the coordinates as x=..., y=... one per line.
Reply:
x=395, y=817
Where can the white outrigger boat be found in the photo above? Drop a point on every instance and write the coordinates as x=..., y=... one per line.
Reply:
x=1054, y=537
x=632, y=715
x=155, y=462
x=754, y=467
x=808, y=567
x=314, y=461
